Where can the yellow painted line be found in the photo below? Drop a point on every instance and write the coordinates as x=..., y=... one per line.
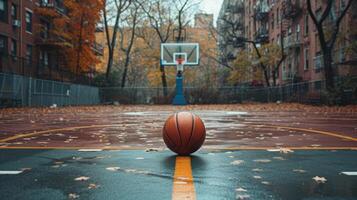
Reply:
x=233, y=148
x=70, y=148
x=338, y=135
x=23, y=135
x=292, y=148
x=183, y=185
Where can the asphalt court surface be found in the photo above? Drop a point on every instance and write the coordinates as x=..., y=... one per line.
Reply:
x=136, y=174
x=246, y=155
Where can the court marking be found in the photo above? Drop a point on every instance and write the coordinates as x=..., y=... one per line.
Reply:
x=338, y=135
x=23, y=135
x=183, y=185
x=232, y=148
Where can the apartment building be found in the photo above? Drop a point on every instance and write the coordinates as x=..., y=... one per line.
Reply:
x=273, y=21
x=230, y=26
x=27, y=44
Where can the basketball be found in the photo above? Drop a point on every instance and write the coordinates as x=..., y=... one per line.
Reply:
x=184, y=133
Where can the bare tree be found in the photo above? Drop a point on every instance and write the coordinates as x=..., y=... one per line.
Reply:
x=327, y=41
x=160, y=17
x=184, y=8
x=132, y=20
x=112, y=12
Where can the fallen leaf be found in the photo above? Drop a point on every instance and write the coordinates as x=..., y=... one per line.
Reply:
x=81, y=178
x=93, y=186
x=237, y=162
x=73, y=196
x=112, y=168
x=319, y=179
x=241, y=190
x=257, y=177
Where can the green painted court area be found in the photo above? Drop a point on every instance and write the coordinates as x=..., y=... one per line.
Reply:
x=136, y=174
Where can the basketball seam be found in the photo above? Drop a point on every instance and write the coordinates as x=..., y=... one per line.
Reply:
x=177, y=126
x=193, y=125
x=168, y=137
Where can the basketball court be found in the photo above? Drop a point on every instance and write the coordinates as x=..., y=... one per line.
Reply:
x=117, y=152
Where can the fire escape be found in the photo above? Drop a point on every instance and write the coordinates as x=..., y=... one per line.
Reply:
x=291, y=11
x=233, y=28
x=49, y=40
x=261, y=15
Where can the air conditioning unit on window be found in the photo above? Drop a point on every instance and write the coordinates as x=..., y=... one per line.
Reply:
x=16, y=23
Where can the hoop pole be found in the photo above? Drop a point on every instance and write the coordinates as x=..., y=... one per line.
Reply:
x=179, y=98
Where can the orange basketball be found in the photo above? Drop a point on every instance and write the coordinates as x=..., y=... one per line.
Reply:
x=184, y=133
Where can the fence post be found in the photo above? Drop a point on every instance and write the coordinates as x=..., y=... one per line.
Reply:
x=29, y=93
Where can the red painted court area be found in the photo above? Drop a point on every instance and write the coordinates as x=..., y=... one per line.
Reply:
x=247, y=126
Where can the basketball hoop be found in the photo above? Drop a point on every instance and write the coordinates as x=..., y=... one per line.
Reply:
x=179, y=67
x=180, y=61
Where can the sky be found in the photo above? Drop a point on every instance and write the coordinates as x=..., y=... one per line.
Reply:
x=211, y=7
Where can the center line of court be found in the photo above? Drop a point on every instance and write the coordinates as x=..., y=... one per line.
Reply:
x=183, y=185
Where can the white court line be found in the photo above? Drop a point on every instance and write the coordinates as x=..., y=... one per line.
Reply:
x=90, y=150
x=10, y=172
x=350, y=173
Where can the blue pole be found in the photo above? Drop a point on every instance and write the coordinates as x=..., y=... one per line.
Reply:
x=179, y=98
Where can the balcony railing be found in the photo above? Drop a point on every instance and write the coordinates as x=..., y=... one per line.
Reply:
x=262, y=35
x=98, y=49
x=261, y=10
x=54, y=5
x=291, y=9
x=50, y=39
x=293, y=41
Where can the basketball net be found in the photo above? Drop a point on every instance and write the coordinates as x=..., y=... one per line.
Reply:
x=180, y=62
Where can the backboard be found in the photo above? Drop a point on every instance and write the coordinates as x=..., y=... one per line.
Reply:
x=188, y=52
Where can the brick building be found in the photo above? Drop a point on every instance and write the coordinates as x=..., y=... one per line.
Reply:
x=27, y=46
x=266, y=21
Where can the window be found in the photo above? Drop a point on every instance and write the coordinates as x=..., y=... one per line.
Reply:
x=306, y=57
x=306, y=28
x=13, y=11
x=3, y=44
x=13, y=50
x=29, y=53
x=3, y=10
x=272, y=21
x=44, y=58
x=28, y=18
x=45, y=29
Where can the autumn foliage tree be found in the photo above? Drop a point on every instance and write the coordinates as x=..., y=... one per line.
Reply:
x=84, y=15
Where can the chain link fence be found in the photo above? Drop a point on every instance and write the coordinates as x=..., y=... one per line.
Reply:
x=17, y=90
x=312, y=92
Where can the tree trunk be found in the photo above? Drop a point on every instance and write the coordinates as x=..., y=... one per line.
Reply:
x=80, y=46
x=274, y=77
x=110, y=63
x=329, y=71
x=266, y=76
x=163, y=80
x=123, y=80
